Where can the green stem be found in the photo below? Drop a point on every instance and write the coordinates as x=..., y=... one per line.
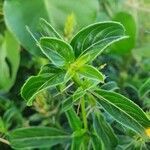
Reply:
x=84, y=113
x=78, y=81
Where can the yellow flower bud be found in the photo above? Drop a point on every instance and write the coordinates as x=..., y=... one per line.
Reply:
x=147, y=131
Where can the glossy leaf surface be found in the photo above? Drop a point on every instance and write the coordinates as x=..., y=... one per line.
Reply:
x=43, y=81
x=91, y=72
x=94, y=38
x=104, y=131
x=56, y=50
x=47, y=30
x=73, y=119
x=123, y=110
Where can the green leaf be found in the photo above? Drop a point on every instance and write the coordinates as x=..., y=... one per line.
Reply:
x=3, y=128
x=97, y=143
x=104, y=131
x=82, y=60
x=145, y=88
x=126, y=45
x=134, y=110
x=69, y=74
x=31, y=87
x=123, y=110
x=89, y=84
x=78, y=94
x=78, y=139
x=73, y=68
x=67, y=103
x=50, y=69
x=56, y=50
x=94, y=38
x=9, y=61
x=73, y=119
x=10, y=115
x=110, y=86
x=47, y=30
x=25, y=13
x=91, y=72
x=29, y=12
x=37, y=137
x=36, y=84
x=142, y=52
x=85, y=12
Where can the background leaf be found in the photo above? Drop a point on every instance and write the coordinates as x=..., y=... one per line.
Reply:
x=126, y=45
x=9, y=61
x=145, y=88
x=37, y=137
x=26, y=13
x=85, y=12
x=29, y=12
x=97, y=143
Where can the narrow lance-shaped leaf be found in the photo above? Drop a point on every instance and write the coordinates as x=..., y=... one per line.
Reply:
x=78, y=138
x=48, y=30
x=97, y=143
x=123, y=110
x=50, y=69
x=37, y=137
x=74, y=120
x=96, y=37
x=145, y=88
x=56, y=50
x=132, y=109
x=104, y=131
x=43, y=81
x=91, y=72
